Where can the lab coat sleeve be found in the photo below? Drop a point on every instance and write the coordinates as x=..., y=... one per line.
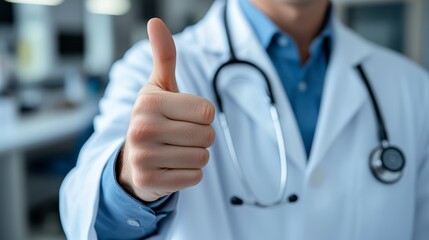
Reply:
x=80, y=191
x=120, y=216
x=421, y=225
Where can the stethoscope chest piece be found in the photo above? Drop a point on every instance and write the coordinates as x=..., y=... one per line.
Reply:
x=387, y=164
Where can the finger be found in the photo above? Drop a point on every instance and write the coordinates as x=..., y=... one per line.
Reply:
x=188, y=108
x=146, y=132
x=187, y=134
x=172, y=180
x=174, y=157
x=164, y=55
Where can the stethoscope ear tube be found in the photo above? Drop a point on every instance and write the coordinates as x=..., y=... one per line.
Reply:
x=283, y=164
x=224, y=123
x=237, y=201
x=230, y=63
x=233, y=60
x=382, y=132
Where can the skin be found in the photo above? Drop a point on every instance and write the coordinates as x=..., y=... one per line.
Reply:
x=169, y=132
x=301, y=19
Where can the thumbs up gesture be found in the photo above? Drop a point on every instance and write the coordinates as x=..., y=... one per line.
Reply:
x=169, y=132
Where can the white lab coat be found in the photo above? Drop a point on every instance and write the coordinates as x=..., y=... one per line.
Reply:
x=338, y=196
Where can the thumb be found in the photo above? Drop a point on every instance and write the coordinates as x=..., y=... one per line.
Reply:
x=164, y=55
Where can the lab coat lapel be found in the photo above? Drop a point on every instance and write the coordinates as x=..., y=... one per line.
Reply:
x=247, y=47
x=343, y=93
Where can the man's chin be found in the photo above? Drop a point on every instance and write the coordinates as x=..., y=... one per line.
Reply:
x=297, y=3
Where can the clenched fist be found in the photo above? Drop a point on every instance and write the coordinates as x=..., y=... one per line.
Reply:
x=169, y=132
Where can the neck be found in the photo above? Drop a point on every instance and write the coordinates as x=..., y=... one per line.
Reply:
x=302, y=21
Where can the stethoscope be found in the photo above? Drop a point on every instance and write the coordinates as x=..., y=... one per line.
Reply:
x=386, y=162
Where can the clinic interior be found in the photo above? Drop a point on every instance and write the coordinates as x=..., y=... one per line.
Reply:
x=55, y=57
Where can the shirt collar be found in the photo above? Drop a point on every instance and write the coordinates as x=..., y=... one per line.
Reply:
x=266, y=30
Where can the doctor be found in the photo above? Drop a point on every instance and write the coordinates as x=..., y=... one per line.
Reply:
x=348, y=159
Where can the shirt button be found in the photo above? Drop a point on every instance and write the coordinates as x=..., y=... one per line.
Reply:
x=133, y=222
x=282, y=41
x=302, y=86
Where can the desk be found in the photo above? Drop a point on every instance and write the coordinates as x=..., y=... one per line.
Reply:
x=32, y=131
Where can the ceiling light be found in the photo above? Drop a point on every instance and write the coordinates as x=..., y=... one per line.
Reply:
x=108, y=7
x=38, y=2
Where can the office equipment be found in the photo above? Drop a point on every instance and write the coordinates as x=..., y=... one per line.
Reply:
x=29, y=132
x=7, y=16
x=71, y=44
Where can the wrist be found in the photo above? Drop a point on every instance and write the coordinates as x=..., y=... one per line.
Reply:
x=122, y=173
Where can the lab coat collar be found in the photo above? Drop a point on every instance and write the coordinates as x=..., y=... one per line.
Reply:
x=210, y=32
x=343, y=94
x=343, y=91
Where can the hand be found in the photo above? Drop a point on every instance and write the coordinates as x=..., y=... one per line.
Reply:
x=169, y=132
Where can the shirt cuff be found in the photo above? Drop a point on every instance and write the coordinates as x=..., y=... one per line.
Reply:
x=123, y=215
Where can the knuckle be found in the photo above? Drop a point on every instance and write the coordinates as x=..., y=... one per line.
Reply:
x=144, y=156
x=144, y=130
x=149, y=102
x=206, y=111
x=134, y=158
x=134, y=133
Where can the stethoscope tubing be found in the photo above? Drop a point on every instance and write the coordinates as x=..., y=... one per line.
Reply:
x=379, y=171
x=227, y=133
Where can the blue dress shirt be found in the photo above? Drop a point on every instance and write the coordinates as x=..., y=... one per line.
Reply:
x=121, y=216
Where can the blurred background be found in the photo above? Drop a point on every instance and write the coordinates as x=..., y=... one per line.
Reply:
x=55, y=56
